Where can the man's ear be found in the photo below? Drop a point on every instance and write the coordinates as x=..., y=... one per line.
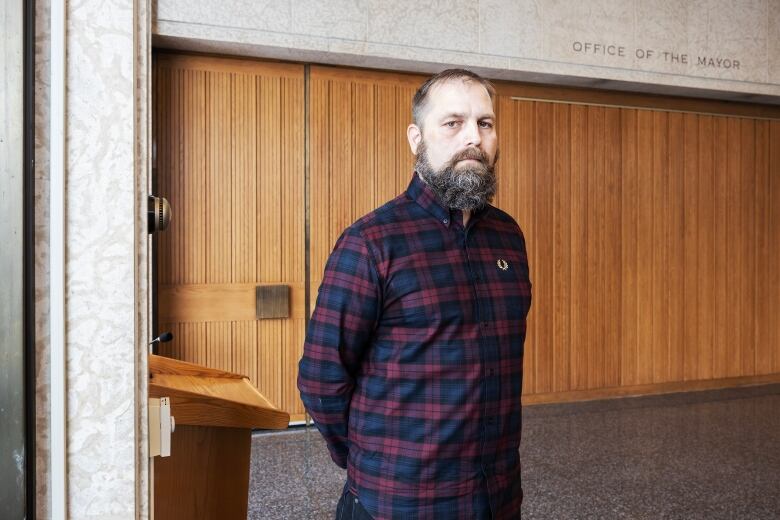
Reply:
x=414, y=135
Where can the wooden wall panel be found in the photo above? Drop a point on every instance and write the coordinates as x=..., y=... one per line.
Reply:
x=359, y=155
x=721, y=278
x=525, y=167
x=762, y=318
x=773, y=225
x=561, y=310
x=691, y=314
x=667, y=215
x=612, y=248
x=220, y=172
x=706, y=249
x=230, y=150
x=645, y=222
x=629, y=309
x=578, y=379
x=676, y=236
x=543, y=246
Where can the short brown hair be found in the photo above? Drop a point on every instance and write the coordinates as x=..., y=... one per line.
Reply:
x=421, y=96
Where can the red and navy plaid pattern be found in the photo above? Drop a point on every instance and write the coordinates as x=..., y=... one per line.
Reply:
x=413, y=362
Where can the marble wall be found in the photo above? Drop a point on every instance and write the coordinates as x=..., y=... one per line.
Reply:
x=710, y=48
x=42, y=344
x=106, y=465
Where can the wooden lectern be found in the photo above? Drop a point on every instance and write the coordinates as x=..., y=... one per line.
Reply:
x=207, y=473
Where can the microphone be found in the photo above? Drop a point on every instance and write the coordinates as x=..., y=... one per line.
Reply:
x=165, y=337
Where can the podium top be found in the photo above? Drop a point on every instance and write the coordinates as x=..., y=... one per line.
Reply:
x=202, y=396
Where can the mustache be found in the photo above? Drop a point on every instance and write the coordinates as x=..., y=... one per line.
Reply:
x=470, y=153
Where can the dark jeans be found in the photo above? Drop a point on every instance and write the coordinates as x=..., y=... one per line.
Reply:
x=350, y=508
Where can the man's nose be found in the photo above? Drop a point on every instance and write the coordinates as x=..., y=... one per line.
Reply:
x=471, y=135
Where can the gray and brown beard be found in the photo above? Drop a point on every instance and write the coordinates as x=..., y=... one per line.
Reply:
x=467, y=188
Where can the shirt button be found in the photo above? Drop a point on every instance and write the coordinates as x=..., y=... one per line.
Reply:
x=446, y=221
x=484, y=324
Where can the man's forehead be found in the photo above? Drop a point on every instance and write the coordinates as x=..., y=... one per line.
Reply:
x=446, y=96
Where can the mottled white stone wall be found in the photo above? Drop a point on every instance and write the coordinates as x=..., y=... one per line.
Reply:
x=104, y=248
x=100, y=312
x=143, y=256
x=42, y=345
x=524, y=40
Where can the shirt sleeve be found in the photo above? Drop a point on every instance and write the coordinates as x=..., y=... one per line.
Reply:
x=338, y=335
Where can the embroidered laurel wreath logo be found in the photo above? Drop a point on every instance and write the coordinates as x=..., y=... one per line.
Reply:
x=502, y=264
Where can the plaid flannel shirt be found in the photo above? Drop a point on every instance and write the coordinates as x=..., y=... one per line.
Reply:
x=413, y=361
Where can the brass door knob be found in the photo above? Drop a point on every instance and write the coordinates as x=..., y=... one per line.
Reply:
x=159, y=214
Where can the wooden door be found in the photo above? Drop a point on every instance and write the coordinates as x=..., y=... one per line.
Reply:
x=230, y=159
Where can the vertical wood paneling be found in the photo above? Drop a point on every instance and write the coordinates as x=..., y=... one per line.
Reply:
x=683, y=192
x=671, y=226
x=706, y=249
x=219, y=202
x=561, y=358
x=340, y=167
x=362, y=136
x=319, y=146
x=506, y=127
x=195, y=168
x=219, y=345
x=773, y=281
x=269, y=240
x=579, y=301
x=405, y=161
x=628, y=221
x=762, y=318
x=720, y=275
x=676, y=238
x=747, y=192
x=293, y=257
x=660, y=258
x=691, y=254
x=269, y=214
x=245, y=350
x=388, y=136
x=543, y=250
x=526, y=129
x=244, y=178
x=230, y=148
x=645, y=227
x=735, y=259
x=164, y=140
x=594, y=251
x=612, y=247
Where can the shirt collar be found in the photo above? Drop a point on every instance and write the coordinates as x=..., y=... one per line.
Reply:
x=422, y=194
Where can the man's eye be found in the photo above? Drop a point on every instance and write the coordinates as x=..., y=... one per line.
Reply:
x=486, y=124
x=451, y=124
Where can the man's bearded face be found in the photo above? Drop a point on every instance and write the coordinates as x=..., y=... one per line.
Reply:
x=467, y=185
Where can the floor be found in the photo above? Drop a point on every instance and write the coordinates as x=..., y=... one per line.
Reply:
x=708, y=455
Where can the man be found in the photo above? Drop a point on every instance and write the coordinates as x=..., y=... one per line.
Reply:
x=412, y=366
